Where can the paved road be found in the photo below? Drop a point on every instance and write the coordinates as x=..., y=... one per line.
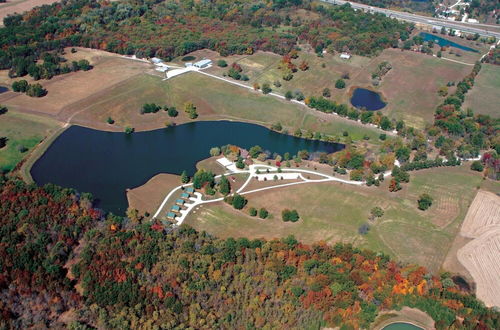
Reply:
x=482, y=29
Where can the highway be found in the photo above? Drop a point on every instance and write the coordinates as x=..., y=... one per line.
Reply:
x=481, y=29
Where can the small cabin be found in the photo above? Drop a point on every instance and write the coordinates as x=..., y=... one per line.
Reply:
x=345, y=56
x=171, y=215
x=180, y=202
x=185, y=196
x=156, y=60
x=175, y=208
x=189, y=190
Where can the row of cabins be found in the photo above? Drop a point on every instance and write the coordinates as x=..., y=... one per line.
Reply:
x=176, y=209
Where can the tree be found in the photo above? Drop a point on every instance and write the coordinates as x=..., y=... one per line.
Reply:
x=252, y=211
x=277, y=127
x=110, y=121
x=239, y=201
x=129, y=130
x=477, y=166
x=424, y=202
x=215, y=151
x=289, y=95
x=255, y=151
x=184, y=177
x=190, y=109
x=202, y=177
x=84, y=65
x=3, y=141
x=224, y=186
x=36, y=90
x=266, y=89
x=20, y=86
x=292, y=216
x=3, y=109
x=222, y=63
x=263, y=213
x=304, y=66
x=403, y=154
x=172, y=112
x=340, y=83
x=326, y=92
x=377, y=212
x=394, y=185
x=150, y=108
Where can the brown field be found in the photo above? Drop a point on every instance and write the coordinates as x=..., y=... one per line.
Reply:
x=480, y=257
x=483, y=213
x=148, y=197
x=66, y=91
x=20, y=6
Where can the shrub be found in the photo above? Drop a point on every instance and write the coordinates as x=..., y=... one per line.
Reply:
x=339, y=84
x=188, y=58
x=129, y=130
x=3, y=109
x=377, y=211
x=477, y=166
x=288, y=215
x=277, y=83
x=215, y=151
x=326, y=92
x=36, y=90
x=364, y=229
x=252, y=211
x=150, y=108
x=289, y=95
x=222, y=63
x=239, y=202
x=424, y=202
x=172, y=112
x=110, y=121
x=266, y=89
x=263, y=213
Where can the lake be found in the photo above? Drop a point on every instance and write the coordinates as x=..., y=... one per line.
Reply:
x=445, y=42
x=401, y=326
x=367, y=99
x=106, y=164
x=3, y=89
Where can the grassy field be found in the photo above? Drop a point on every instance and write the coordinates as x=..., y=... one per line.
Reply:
x=484, y=98
x=19, y=6
x=413, y=75
x=22, y=130
x=214, y=100
x=333, y=212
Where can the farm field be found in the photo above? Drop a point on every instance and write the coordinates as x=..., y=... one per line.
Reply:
x=22, y=130
x=484, y=98
x=20, y=6
x=65, y=91
x=404, y=232
x=214, y=100
x=412, y=75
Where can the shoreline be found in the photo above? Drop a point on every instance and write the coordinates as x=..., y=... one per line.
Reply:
x=37, y=152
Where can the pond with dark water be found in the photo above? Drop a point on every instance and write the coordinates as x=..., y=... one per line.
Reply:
x=445, y=42
x=3, y=89
x=366, y=99
x=401, y=326
x=106, y=164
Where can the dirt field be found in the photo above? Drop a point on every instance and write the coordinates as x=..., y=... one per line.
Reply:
x=484, y=98
x=479, y=256
x=333, y=212
x=20, y=6
x=66, y=91
x=148, y=197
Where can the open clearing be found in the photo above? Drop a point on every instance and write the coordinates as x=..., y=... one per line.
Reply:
x=333, y=212
x=480, y=256
x=214, y=99
x=484, y=98
x=20, y=6
x=412, y=75
x=66, y=91
x=22, y=130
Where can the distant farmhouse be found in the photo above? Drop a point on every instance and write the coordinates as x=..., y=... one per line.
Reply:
x=203, y=63
x=345, y=56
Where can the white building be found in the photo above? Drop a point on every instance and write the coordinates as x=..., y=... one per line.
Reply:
x=156, y=60
x=203, y=63
x=345, y=56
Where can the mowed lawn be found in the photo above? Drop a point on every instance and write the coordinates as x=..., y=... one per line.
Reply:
x=214, y=99
x=22, y=130
x=484, y=97
x=333, y=212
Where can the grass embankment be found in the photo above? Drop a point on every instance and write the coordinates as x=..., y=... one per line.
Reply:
x=333, y=212
x=484, y=97
x=22, y=130
x=214, y=99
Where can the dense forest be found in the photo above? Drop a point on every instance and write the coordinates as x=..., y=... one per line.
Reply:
x=171, y=28
x=64, y=263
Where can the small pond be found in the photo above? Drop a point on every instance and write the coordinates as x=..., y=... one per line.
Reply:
x=106, y=164
x=3, y=89
x=367, y=99
x=445, y=42
x=401, y=326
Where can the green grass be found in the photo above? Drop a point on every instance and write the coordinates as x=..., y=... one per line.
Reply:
x=484, y=98
x=333, y=212
x=21, y=130
x=215, y=100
